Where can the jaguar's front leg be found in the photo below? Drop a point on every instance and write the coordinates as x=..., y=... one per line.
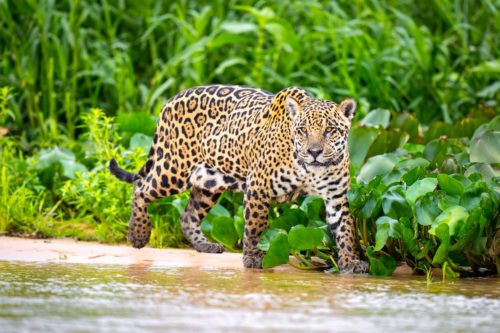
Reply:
x=341, y=225
x=256, y=210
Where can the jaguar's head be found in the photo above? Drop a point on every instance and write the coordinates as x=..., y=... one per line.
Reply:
x=320, y=130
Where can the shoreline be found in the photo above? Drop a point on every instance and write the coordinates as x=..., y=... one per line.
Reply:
x=67, y=250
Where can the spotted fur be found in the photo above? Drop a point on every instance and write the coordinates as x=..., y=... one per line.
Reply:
x=271, y=147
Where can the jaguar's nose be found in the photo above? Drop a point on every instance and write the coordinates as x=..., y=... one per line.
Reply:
x=314, y=152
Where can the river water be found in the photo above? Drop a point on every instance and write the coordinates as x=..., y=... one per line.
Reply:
x=59, y=297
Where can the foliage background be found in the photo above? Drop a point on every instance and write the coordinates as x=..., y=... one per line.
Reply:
x=83, y=81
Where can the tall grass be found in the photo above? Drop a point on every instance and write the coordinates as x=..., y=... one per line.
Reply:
x=434, y=58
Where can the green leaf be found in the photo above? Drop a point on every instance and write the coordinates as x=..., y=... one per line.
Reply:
x=486, y=170
x=438, y=129
x=471, y=198
x=360, y=140
x=376, y=165
x=409, y=241
x=486, y=148
x=376, y=118
x=278, y=253
x=384, y=265
x=313, y=206
x=49, y=157
x=387, y=141
x=392, y=225
x=450, y=185
x=216, y=211
x=141, y=140
x=381, y=236
x=223, y=231
x=426, y=209
x=420, y=188
x=371, y=208
x=265, y=238
x=395, y=205
x=452, y=217
x=72, y=167
x=443, y=233
x=413, y=175
x=301, y=238
x=289, y=218
x=239, y=222
x=408, y=123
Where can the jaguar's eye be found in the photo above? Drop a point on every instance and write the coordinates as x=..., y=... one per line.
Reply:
x=303, y=130
x=328, y=129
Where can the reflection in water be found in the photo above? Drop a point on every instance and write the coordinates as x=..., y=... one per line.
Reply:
x=73, y=297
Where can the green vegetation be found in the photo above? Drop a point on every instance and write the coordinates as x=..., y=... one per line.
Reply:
x=81, y=82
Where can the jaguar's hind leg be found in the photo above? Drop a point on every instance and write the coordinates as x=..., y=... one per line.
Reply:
x=200, y=202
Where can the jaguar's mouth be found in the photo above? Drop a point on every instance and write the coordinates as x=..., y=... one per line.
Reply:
x=315, y=163
x=327, y=163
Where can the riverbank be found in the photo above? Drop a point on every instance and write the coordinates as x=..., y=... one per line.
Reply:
x=71, y=251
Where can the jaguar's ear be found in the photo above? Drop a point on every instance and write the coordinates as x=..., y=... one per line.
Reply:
x=348, y=108
x=292, y=106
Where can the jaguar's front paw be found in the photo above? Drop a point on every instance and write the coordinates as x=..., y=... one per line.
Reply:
x=138, y=241
x=252, y=261
x=351, y=265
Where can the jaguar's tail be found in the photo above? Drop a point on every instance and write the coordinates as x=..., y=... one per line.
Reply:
x=121, y=174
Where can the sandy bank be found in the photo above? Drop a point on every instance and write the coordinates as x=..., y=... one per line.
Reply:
x=72, y=251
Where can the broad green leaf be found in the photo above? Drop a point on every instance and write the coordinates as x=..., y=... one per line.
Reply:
x=395, y=205
x=289, y=218
x=438, y=129
x=408, y=123
x=387, y=141
x=278, y=253
x=486, y=148
x=218, y=210
x=71, y=167
x=391, y=222
x=360, y=140
x=313, y=206
x=450, y=185
x=465, y=127
x=141, y=140
x=381, y=236
x=301, y=238
x=471, y=198
x=384, y=265
x=239, y=222
x=265, y=238
x=452, y=217
x=443, y=233
x=376, y=118
x=426, y=209
x=486, y=170
x=413, y=175
x=371, y=208
x=223, y=231
x=49, y=157
x=420, y=188
x=410, y=245
x=376, y=165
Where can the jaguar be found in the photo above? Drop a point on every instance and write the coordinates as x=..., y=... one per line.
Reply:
x=271, y=147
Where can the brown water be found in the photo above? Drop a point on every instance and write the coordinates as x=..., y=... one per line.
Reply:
x=98, y=298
